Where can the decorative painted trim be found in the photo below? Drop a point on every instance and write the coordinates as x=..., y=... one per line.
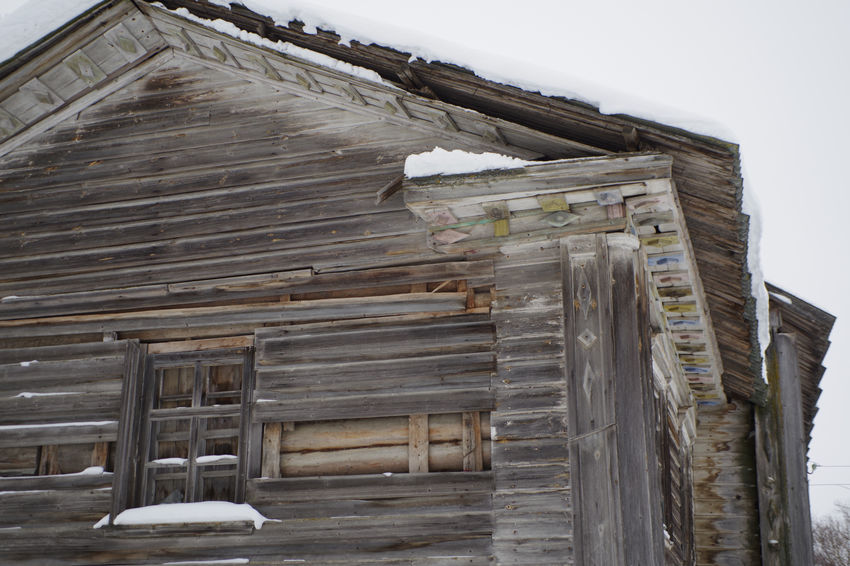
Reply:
x=500, y=209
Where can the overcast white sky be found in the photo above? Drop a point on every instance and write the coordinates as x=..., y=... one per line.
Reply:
x=771, y=75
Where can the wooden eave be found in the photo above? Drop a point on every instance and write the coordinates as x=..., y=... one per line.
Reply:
x=811, y=327
x=505, y=210
x=706, y=171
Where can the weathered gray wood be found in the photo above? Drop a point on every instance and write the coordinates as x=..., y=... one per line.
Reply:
x=473, y=453
x=726, y=521
x=594, y=465
x=323, y=309
x=372, y=486
x=59, y=433
x=786, y=535
x=271, y=450
x=129, y=427
x=276, y=407
x=640, y=484
x=418, y=444
x=576, y=174
x=59, y=482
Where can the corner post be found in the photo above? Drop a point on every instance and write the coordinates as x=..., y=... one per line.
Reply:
x=613, y=461
x=786, y=524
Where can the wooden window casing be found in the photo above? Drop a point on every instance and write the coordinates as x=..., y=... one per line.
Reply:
x=194, y=429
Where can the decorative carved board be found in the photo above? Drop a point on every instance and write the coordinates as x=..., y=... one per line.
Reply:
x=499, y=209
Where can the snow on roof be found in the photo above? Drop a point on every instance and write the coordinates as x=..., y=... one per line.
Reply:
x=441, y=162
x=321, y=59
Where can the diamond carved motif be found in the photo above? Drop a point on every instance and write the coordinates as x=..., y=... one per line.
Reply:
x=587, y=338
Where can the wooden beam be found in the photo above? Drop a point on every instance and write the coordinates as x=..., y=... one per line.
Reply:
x=271, y=450
x=785, y=519
x=473, y=457
x=418, y=444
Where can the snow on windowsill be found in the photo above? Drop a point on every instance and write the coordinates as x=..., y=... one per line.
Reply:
x=200, y=513
x=441, y=162
x=222, y=561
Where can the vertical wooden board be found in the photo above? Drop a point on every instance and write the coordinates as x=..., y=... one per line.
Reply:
x=417, y=448
x=593, y=441
x=271, y=450
x=639, y=487
x=473, y=459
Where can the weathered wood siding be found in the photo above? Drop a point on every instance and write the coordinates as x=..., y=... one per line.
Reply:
x=59, y=412
x=236, y=216
x=531, y=502
x=726, y=520
x=169, y=180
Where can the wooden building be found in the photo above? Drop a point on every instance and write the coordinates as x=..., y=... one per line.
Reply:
x=218, y=285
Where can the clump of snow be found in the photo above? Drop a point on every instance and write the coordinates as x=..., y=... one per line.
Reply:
x=387, y=474
x=30, y=394
x=29, y=363
x=216, y=458
x=222, y=561
x=441, y=162
x=91, y=471
x=181, y=513
x=9, y=298
x=284, y=47
x=781, y=297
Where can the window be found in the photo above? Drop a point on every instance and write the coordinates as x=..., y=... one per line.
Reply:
x=194, y=427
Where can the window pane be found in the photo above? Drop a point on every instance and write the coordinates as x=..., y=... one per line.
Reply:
x=172, y=439
x=218, y=484
x=224, y=385
x=220, y=435
x=169, y=489
x=175, y=387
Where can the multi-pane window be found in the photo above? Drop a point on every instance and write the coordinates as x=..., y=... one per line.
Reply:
x=194, y=432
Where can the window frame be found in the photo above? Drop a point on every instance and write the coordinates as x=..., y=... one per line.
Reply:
x=134, y=438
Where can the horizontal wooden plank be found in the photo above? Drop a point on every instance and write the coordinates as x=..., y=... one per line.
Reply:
x=57, y=482
x=372, y=486
x=72, y=407
x=417, y=340
x=79, y=432
x=239, y=287
x=272, y=406
x=77, y=376
x=418, y=371
x=37, y=506
x=323, y=309
x=294, y=235
x=63, y=352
